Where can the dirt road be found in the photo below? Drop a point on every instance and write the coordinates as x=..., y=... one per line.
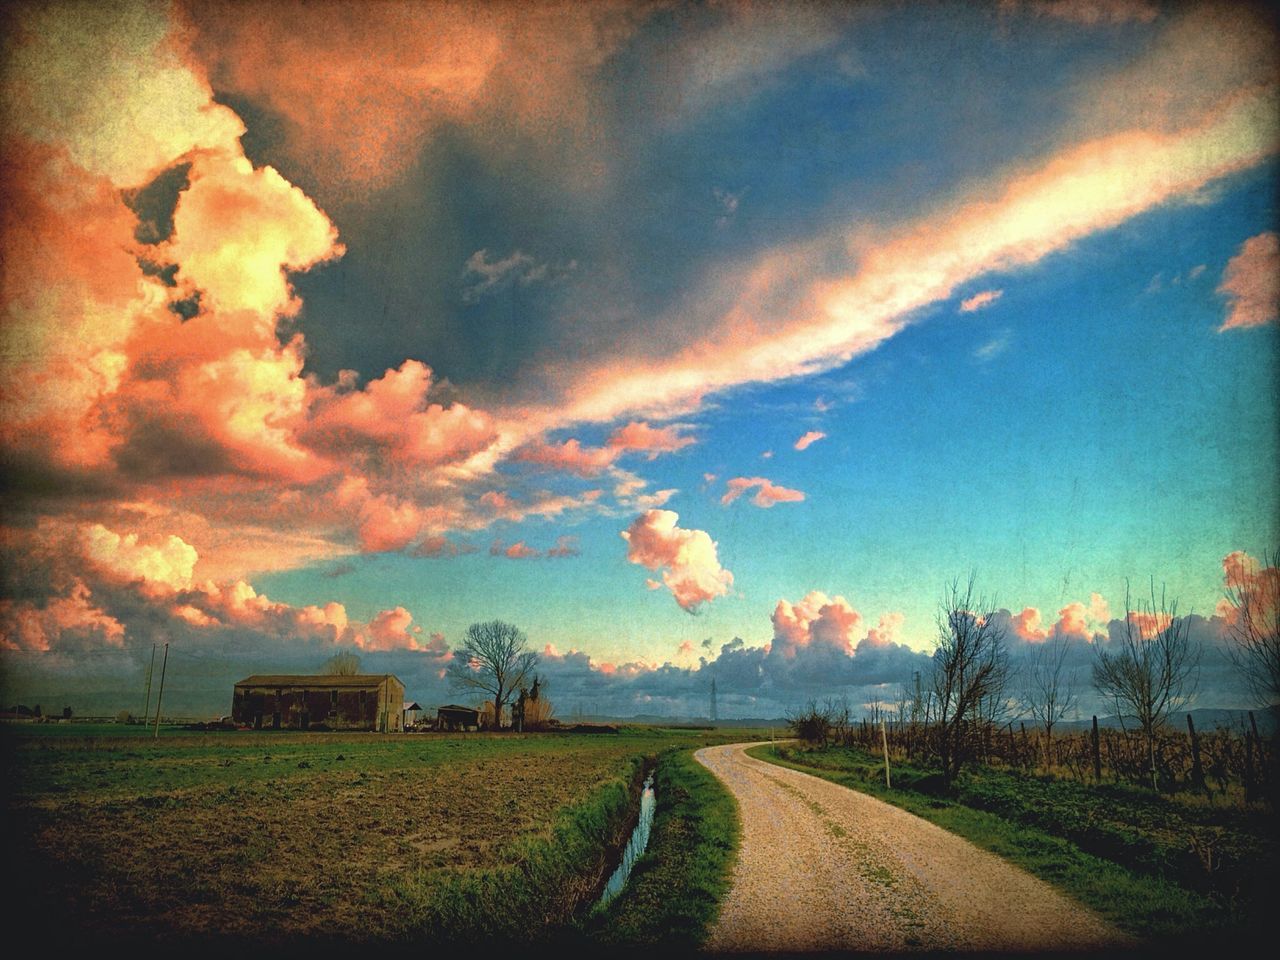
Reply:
x=823, y=867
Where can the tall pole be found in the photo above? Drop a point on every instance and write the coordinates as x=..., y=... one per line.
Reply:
x=884, y=742
x=160, y=696
x=150, y=670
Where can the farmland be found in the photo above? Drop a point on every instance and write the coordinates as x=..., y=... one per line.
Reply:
x=288, y=837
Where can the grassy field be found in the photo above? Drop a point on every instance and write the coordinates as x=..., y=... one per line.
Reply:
x=286, y=837
x=1161, y=868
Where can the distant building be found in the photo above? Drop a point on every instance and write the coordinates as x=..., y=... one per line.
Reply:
x=360, y=702
x=411, y=712
x=454, y=717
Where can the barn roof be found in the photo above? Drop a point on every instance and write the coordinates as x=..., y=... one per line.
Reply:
x=316, y=680
x=454, y=706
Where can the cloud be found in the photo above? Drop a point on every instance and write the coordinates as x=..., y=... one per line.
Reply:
x=687, y=558
x=517, y=551
x=168, y=564
x=1251, y=281
x=639, y=436
x=980, y=300
x=809, y=439
x=815, y=620
x=1087, y=13
x=566, y=546
x=992, y=348
x=518, y=268
x=814, y=304
x=767, y=493
x=569, y=456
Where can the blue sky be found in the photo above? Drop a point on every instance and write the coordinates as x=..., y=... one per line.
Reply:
x=480, y=290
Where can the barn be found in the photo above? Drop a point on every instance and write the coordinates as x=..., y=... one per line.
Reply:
x=455, y=717
x=302, y=702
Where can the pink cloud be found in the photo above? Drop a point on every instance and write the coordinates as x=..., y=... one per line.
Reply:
x=569, y=456
x=886, y=632
x=767, y=493
x=392, y=415
x=1251, y=281
x=566, y=546
x=639, y=436
x=26, y=626
x=809, y=439
x=687, y=558
x=1027, y=625
x=1087, y=12
x=516, y=551
x=980, y=300
x=685, y=649
x=815, y=620
x=1258, y=586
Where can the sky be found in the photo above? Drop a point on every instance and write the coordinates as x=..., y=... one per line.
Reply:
x=700, y=341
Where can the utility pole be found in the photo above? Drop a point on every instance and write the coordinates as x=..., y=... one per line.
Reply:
x=160, y=696
x=713, y=700
x=146, y=712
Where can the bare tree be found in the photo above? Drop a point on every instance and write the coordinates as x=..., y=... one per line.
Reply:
x=493, y=658
x=970, y=671
x=1048, y=689
x=341, y=664
x=1150, y=668
x=1255, y=627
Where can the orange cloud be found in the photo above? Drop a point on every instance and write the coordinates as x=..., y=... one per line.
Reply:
x=517, y=551
x=809, y=439
x=1027, y=625
x=980, y=300
x=1251, y=281
x=767, y=493
x=687, y=558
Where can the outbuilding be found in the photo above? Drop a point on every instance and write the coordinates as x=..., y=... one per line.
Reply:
x=454, y=717
x=302, y=702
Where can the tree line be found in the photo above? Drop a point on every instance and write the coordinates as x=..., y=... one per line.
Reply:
x=1145, y=671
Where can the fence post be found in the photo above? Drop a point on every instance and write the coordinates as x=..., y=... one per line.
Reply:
x=1097, y=754
x=884, y=742
x=1197, y=769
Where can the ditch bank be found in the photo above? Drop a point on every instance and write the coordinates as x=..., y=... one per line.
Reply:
x=553, y=879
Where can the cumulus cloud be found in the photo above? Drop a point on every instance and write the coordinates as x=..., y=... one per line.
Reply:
x=980, y=300
x=815, y=620
x=1251, y=283
x=168, y=564
x=767, y=492
x=687, y=558
x=566, y=546
x=808, y=439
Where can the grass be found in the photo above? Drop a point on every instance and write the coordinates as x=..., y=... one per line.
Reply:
x=284, y=837
x=676, y=887
x=1130, y=856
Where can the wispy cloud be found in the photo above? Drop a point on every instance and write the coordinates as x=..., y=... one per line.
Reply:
x=979, y=300
x=808, y=439
x=993, y=348
x=1251, y=282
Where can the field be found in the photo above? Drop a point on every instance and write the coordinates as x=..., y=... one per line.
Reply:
x=290, y=837
x=1160, y=867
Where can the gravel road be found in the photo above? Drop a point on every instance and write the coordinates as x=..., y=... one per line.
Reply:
x=823, y=867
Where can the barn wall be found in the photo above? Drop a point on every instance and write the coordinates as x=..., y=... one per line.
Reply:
x=301, y=708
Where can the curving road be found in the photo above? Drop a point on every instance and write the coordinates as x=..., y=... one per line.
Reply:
x=823, y=867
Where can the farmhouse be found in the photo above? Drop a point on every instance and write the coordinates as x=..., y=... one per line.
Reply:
x=301, y=702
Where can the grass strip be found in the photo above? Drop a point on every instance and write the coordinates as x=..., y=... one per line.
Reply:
x=1150, y=907
x=676, y=888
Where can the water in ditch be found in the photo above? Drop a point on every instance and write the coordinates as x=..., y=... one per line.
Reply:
x=635, y=846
